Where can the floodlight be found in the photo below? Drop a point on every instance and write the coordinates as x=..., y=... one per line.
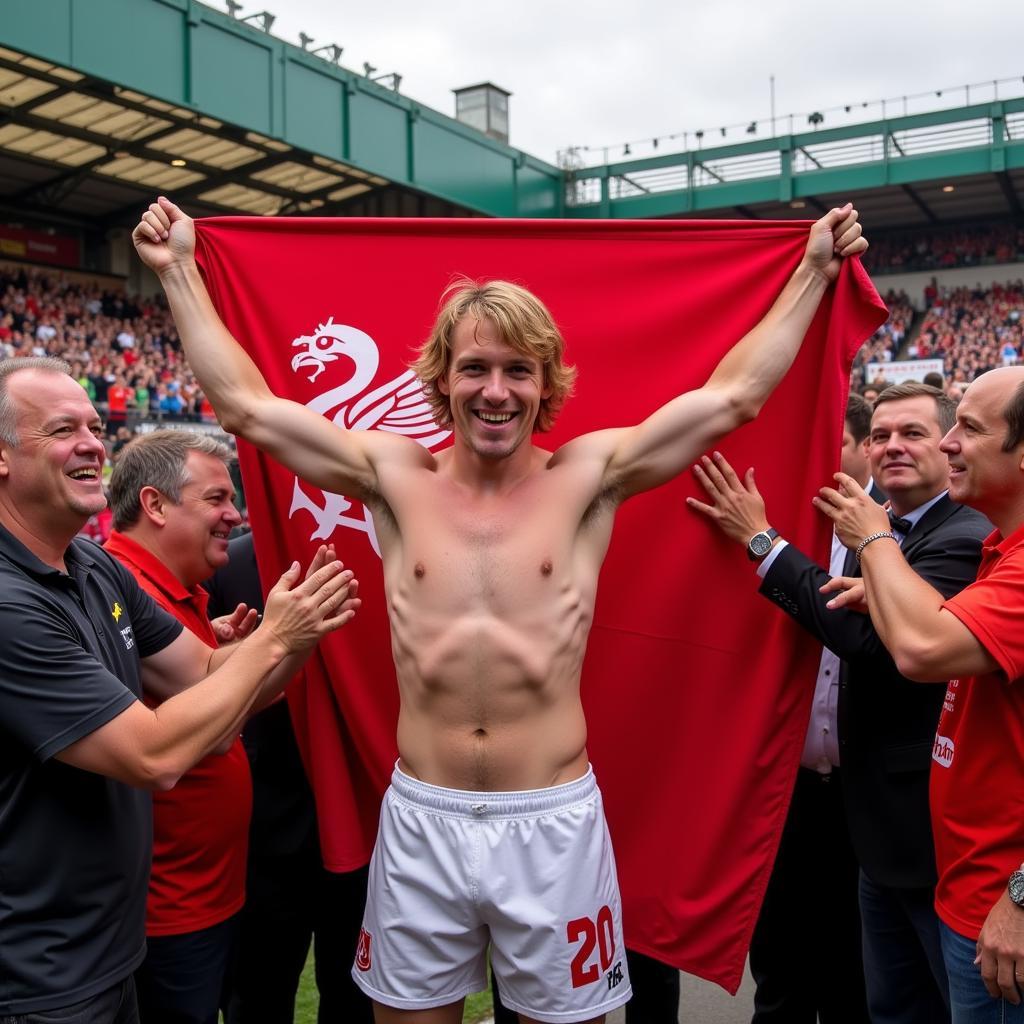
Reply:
x=331, y=52
x=265, y=19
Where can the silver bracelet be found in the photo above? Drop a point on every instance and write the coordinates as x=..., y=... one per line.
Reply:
x=874, y=536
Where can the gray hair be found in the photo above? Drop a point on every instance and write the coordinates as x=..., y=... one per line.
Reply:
x=156, y=460
x=9, y=367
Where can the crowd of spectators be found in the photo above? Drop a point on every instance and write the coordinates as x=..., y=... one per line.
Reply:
x=123, y=350
x=884, y=345
x=972, y=329
x=944, y=248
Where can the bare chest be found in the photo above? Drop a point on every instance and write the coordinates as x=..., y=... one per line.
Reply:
x=501, y=556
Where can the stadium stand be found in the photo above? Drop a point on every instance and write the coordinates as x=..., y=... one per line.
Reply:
x=973, y=329
x=946, y=248
x=123, y=349
x=884, y=345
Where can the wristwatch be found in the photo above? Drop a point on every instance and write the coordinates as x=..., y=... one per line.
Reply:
x=760, y=544
x=1015, y=887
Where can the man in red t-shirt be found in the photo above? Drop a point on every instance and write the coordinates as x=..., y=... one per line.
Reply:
x=172, y=502
x=977, y=637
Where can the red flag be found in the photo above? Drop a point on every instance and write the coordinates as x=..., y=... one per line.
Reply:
x=696, y=690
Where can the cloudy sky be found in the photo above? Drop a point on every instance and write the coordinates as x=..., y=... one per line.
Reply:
x=607, y=72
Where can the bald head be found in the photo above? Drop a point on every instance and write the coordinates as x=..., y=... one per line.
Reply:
x=1004, y=387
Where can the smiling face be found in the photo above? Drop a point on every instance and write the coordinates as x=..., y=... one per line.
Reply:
x=981, y=473
x=495, y=391
x=54, y=475
x=904, y=451
x=194, y=540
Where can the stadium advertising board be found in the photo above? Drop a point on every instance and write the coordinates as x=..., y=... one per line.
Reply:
x=903, y=370
x=38, y=247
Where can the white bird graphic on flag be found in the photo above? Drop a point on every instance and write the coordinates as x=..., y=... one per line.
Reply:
x=398, y=406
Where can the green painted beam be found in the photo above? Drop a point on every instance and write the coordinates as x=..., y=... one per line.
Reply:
x=195, y=57
x=870, y=160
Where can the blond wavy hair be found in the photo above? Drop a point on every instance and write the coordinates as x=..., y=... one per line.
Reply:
x=523, y=322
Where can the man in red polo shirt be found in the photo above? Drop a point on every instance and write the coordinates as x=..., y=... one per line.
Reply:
x=977, y=637
x=172, y=501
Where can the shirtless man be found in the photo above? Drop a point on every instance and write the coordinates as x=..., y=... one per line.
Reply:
x=492, y=828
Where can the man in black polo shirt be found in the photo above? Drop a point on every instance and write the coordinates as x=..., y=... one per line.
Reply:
x=79, y=645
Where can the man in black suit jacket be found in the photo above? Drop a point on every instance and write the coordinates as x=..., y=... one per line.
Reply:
x=886, y=723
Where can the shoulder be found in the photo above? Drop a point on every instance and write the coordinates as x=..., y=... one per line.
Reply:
x=597, y=444
x=964, y=522
x=104, y=564
x=397, y=449
x=974, y=522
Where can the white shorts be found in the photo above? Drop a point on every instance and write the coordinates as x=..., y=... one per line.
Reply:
x=532, y=873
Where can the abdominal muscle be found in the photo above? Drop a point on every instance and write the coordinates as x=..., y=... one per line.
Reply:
x=491, y=600
x=491, y=701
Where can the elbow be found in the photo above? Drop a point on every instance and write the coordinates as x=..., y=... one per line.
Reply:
x=235, y=419
x=743, y=408
x=164, y=783
x=919, y=663
x=159, y=775
x=238, y=410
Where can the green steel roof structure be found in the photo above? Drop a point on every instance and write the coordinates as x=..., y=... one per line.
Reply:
x=949, y=164
x=106, y=94
x=105, y=102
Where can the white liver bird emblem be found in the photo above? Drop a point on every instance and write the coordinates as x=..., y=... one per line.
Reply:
x=398, y=406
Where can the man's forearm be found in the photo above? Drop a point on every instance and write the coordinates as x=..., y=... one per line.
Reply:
x=756, y=364
x=276, y=682
x=904, y=608
x=272, y=687
x=225, y=372
x=190, y=725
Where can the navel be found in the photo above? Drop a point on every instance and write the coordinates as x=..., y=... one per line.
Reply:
x=546, y=567
x=419, y=571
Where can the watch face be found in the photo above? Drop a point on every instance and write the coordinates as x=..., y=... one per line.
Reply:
x=760, y=545
x=1016, y=888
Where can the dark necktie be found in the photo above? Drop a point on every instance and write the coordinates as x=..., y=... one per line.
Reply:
x=898, y=525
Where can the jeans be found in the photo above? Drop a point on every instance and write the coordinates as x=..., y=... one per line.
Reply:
x=969, y=999
x=903, y=965
x=116, y=1005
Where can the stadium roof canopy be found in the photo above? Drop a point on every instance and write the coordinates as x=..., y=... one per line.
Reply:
x=104, y=103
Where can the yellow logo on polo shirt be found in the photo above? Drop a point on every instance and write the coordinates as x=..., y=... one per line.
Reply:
x=116, y=612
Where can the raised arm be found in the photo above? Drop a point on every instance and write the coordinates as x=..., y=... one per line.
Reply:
x=671, y=439
x=315, y=449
